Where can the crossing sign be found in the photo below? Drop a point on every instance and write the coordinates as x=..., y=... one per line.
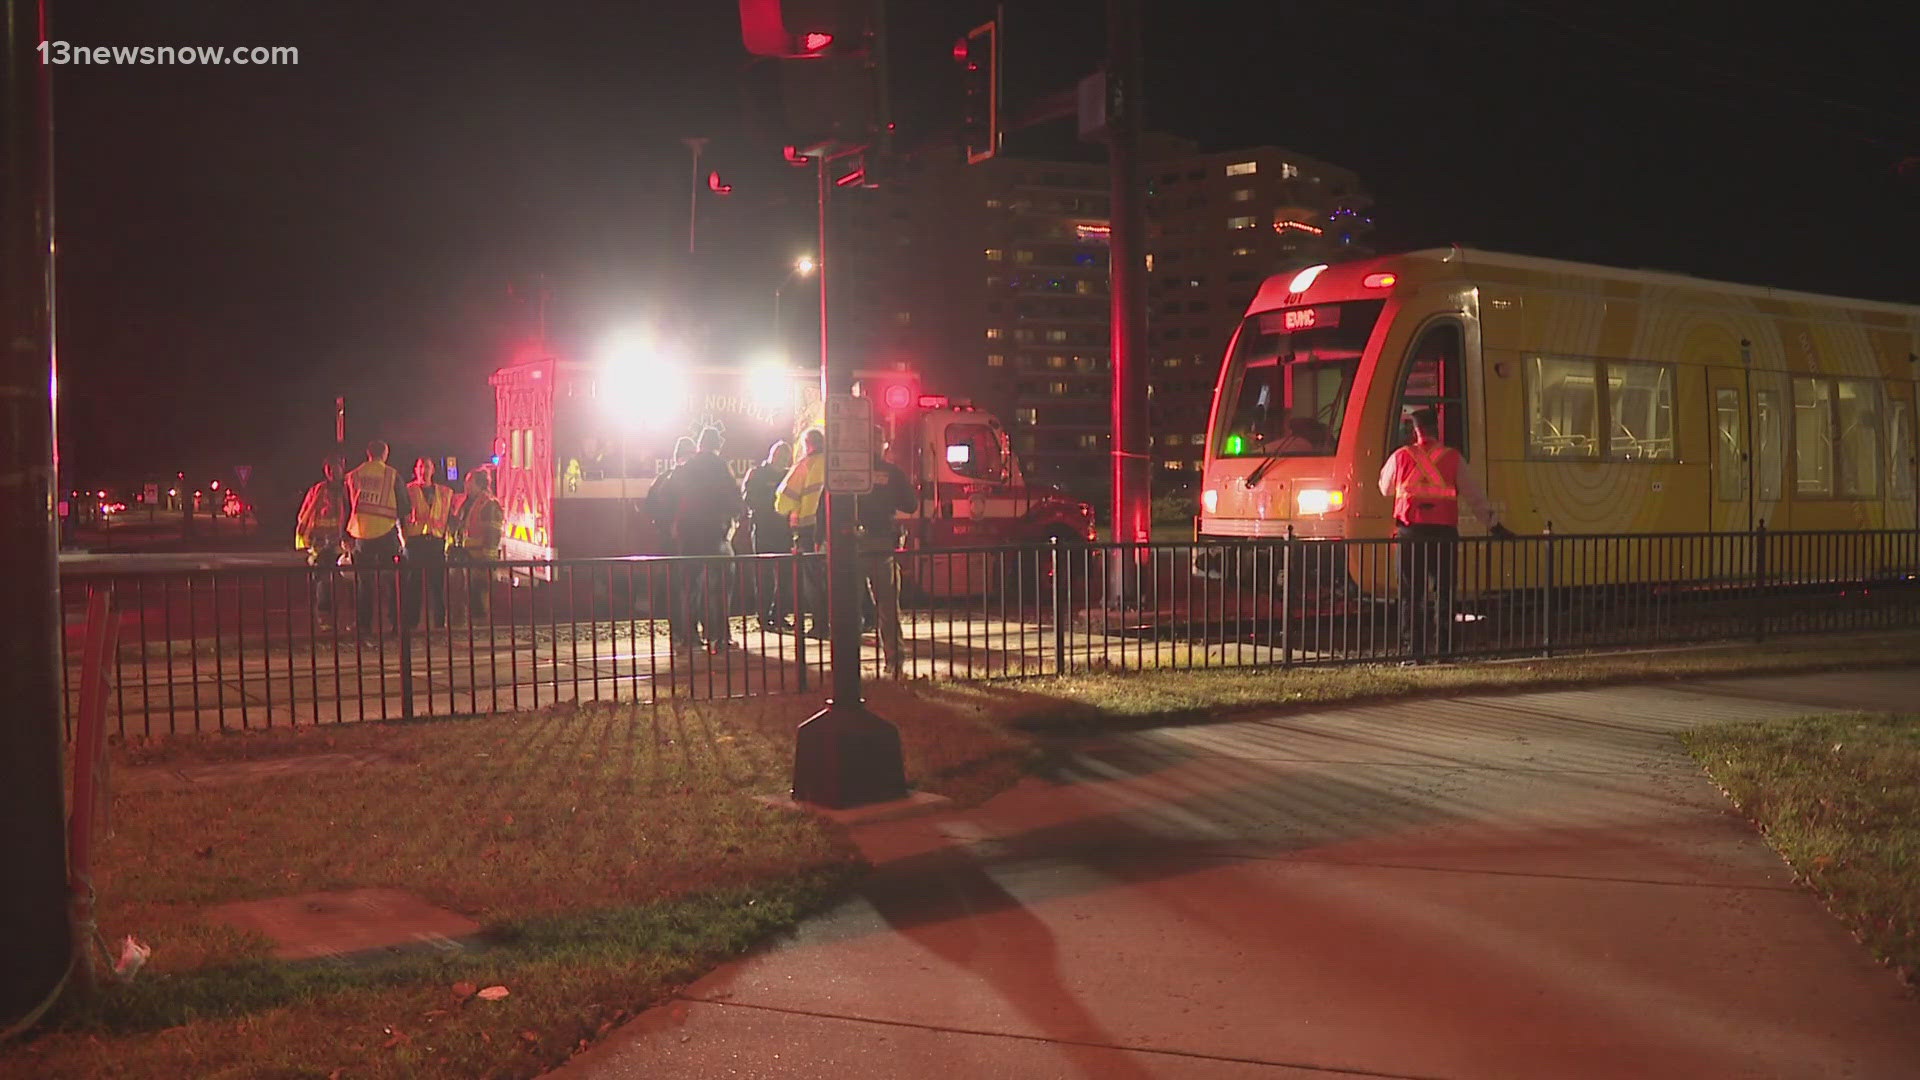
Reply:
x=849, y=444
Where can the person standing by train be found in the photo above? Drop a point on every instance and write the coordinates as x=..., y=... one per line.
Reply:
x=1427, y=482
x=318, y=531
x=373, y=535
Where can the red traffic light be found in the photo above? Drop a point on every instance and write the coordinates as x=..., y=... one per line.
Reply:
x=960, y=51
x=896, y=396
x=815, y=40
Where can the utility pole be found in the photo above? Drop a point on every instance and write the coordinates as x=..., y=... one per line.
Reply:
x=693, y=193
x=1126, y=269
x=36, y=936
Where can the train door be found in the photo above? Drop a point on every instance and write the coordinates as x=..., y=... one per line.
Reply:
x=1729, y=455
x=1903, y=510
x=1768, y=436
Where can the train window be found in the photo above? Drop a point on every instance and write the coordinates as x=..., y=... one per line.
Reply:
x=1639, y=411
x=1857, y=414
x=1290, y=377
x=1563, y=408
x=1899, y=452
x=1768, y=439
x=1432, y=380
x=1812, y=437
x=1730, y=476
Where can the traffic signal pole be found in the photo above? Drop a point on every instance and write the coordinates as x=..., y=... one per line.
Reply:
x=844, y=755
x=35, y=933
x=1126, y=268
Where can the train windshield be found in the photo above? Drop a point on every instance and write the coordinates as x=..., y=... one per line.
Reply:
x=1289, y=379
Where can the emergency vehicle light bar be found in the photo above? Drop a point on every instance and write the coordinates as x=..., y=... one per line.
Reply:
x=933, y=401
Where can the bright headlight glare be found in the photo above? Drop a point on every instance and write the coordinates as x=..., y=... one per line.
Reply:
x=1319, y=500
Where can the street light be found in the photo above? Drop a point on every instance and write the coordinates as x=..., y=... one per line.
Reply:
x=802, y=267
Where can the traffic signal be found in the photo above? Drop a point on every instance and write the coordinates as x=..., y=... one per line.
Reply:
x=803, y=29
x=978, y=55
x=826, y=81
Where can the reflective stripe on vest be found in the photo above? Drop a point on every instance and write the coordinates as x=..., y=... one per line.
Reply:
x=427, y=508
x=1424, y=490
x=372, y=490
x=801, y=489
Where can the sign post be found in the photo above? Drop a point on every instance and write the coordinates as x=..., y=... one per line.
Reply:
x=849, y=445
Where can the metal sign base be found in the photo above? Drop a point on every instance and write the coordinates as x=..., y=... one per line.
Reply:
x=846, y=756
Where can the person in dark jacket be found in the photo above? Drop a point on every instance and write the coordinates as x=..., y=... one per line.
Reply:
x=879, y=534
x=663, y=505
x=707, y=500
x=769, y=533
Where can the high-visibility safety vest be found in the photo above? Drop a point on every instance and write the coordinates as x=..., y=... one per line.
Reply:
x=482, y=521
x=798, y=496
x=1426, y=486
x=428, y=505
x=320, y=515
x=373, y=492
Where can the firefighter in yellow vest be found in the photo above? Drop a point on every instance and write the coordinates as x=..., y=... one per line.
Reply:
x=473, y=539
x=799, y=496
x=317, y=532
x=429, y=504
x=373, y=535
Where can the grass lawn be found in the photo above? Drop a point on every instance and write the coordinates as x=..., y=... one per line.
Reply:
x=610, y=853
x=1839, y=797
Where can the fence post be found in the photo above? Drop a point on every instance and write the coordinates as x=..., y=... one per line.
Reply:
x=1286, y=598
x=1546, y=598
x=1760, y=553
x=799, y=616
x=1059, y=625
x=406, y=638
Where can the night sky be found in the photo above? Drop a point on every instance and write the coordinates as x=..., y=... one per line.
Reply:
x=239, y=244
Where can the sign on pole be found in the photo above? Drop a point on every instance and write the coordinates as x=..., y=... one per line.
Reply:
x=849, y=444
x=245, y=473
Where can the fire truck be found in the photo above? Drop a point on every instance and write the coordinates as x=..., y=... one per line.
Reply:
x=578, y=446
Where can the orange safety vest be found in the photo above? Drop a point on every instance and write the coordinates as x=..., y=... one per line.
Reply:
x=428, y=506
x=1425, y=486
x=373, y=492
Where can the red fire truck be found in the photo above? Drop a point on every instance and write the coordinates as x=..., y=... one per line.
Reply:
x=578, y=447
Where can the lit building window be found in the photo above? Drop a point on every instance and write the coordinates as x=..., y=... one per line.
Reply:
x=1083, y=287
x=903, y=318
x=1057, y=362
x=1172, y=361
x=1243, y=168
x=993, y=333
x=1149, y=262
x=1057, y=389
x=1242, y=222
x=1243, y=251
x=1089, y=442
x=993, y=204
x=1026, y=416
x=1242, y=195
x=1289, y=170
x=1174, y=465
x=995, y=254
x=1056, y=336
x=996, y=360
x=1023, y=257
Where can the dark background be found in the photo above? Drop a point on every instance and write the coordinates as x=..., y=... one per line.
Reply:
x=240, y=244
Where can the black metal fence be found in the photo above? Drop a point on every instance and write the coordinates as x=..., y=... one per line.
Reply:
x=253, y=646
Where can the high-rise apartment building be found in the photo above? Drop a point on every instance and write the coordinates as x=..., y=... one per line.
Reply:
x=991, y=280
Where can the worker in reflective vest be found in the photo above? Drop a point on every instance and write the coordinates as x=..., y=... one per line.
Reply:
x=799, y=497
x=317, y=531
x=1427, y=483
x=473, y=539
x=428, y=505
x=373, y=533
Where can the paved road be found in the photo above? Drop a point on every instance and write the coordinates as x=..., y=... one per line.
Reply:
x=1529, y=885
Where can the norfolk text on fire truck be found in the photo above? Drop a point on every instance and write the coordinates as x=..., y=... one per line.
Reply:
x=65, y=52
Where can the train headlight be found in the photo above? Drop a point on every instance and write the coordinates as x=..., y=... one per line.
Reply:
x=1210, y=500
x=1319, y=500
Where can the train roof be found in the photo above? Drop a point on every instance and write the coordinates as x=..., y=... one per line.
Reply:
x=1470, y=257
x=1462, y=261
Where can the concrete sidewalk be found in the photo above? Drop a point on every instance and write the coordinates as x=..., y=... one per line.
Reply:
x=1526, y=885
